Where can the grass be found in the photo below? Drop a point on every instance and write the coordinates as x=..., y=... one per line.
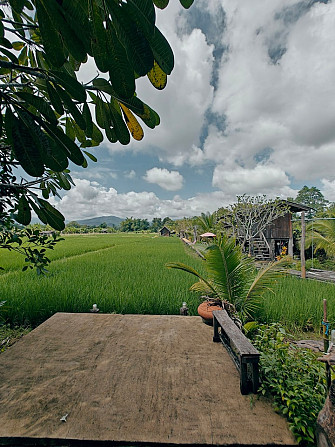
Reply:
x=121, y=273
x=8, y=335
x=71, y=246
x=298, y=304
x=125, y=273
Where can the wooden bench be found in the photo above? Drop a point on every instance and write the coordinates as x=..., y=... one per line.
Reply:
x=244, y=354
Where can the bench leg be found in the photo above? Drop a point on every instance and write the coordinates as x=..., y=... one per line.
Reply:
x=255, y=377
x=216, y=337
x=244, y=378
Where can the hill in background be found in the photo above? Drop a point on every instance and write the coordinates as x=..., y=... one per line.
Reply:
x=96, y=221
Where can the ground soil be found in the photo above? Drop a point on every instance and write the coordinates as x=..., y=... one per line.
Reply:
x=129, y=378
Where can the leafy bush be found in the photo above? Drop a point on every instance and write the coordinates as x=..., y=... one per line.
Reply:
x=294, y=378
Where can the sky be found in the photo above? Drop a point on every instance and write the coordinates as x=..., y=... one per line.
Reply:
x=248, y=109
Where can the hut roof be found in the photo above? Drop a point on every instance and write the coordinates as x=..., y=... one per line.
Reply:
x=297, y=207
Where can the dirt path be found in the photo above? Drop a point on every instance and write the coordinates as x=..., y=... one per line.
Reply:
x=130, y=378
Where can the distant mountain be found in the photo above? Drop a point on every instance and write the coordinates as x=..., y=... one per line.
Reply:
x=96, y=221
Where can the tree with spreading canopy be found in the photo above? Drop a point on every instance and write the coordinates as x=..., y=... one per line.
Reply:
x=312, y=197
x=46, y=113
x=46, y=116
x=250, y=216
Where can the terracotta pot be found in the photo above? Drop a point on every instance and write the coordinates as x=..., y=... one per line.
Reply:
x=205, y=310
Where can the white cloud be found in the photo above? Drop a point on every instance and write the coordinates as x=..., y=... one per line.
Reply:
x=273, y=117
x=285, y=105
x=328, y=189
x=258, y=180
x=169, y=180
x=130, y=174
x=87, y=200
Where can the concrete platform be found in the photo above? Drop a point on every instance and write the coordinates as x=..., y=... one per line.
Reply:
x=128, y=379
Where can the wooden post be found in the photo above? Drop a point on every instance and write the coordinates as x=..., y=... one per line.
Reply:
x=325, y=331
x=302, y=245
x=290, y=241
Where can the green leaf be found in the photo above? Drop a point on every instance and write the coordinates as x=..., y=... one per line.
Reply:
x=17, y=5
x=92, y=157
x=63, y=181
x=143, y=14
x=52, y=41
x=69, y=130
x=39, y=104
x=23, y=215
x=10, y=55
x=99, y=39
x=102, y=114
x=97, y=135
x=119, y=125
x=24, y=148
x=120, y=72
x=88, y=120
x=59, y=21
x=186, y=3
x=40, y=213
x=54, y=98
x=53, y=156
x=9, y=118
x=103, y=85
x=23, y=56
x=162, y=51
x=77, y=16
x=149, y=116
x=80, y=134
x=71, y=107
x=161, y=4
x=18, y=45
x=136, y=45
x=5, y=43
x=134, y=103
x=70, y=84
x=54, y=218
x=72, y=150
x=111, y=135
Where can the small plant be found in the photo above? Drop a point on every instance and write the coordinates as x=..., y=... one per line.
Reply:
x=294, y=378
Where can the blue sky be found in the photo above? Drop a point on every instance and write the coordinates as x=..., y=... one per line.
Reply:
x=249, y=108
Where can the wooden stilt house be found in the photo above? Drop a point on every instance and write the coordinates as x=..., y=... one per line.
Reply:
x=277, y=238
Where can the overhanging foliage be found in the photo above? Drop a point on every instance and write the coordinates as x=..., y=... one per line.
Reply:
x=46, y=113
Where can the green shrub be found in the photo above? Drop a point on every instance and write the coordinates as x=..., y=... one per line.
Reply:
x=294, y=378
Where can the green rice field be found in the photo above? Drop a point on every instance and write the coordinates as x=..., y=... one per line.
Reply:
x=298, y=304
x=126, y=273
x=121, y=273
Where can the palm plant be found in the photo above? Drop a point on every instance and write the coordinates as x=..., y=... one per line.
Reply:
x=206, y=222
x=321, y=234
x=232, y=277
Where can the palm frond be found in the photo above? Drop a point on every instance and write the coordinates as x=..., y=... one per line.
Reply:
x=263, y=281
x=321, y=234
x=188, y=269
x=203, y=288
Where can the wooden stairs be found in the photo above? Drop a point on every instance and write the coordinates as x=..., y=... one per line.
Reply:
x=261, y=249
